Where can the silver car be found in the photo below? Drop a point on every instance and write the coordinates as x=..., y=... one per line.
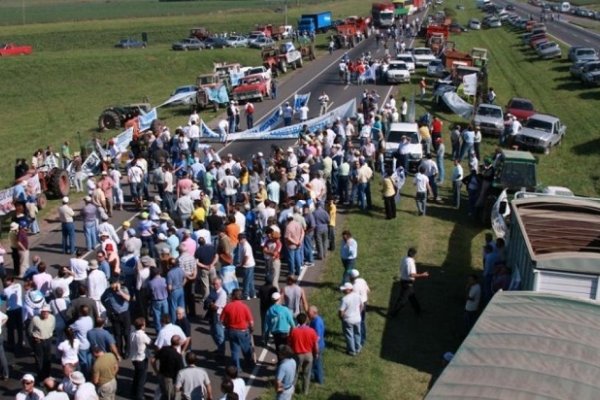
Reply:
x=540, y=132
x=549, y=50
x=489, y=118
x=237, y=41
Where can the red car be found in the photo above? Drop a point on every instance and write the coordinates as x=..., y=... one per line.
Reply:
x=520, y=108
x=252, y=87
x=10, y=49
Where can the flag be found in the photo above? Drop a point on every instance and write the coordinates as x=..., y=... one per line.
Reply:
x=179, y=97
x=300, y=100
x=145, y=120
x=218, y=94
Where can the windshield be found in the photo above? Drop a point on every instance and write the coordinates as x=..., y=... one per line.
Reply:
x=422, y=52
x=489, y=112
x=396, y=137
x=205, y=80
x=521, y=105
x=405, y=58
x=586, y=52
x=516, y=175
x=397, y=66
x=536, y=124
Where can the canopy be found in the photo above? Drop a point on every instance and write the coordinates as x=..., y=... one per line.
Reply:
x=527, y=345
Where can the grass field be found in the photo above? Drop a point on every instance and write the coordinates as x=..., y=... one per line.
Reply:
x=403, y=355
x=75, y=71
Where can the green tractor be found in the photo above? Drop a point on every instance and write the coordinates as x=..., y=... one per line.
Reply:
x=114, y=117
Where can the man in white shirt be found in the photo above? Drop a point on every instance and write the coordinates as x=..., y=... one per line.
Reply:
x=193, y=382
x=14, y=309
x=349, y=312
x=169, y=330
x=408, y=275
x=422, y=183
x=303, y=113
x=361, y=287
x=138, y=342
x=457, y=177
x=28, y=390
x=472, y=304
x=324, y=103
x=273, y=190
x=96, y=282
x=79, y=267
x=247, y=264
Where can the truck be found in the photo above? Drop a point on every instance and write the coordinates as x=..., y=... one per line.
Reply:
x=552, y=245
x=252, y=87
x=278, y=59
x=275, y=32
x=315, y=23
x=383, y=14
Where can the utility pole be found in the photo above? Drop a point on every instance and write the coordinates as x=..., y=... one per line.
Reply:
x=23, y=10
x=285, y=10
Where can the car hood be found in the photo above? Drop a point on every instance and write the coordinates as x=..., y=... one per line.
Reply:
x=520, y=114
x=247, y=87
x=398, y=71
x=489, y=120
x=585, y=58
x=411, y=148
x=534, y=133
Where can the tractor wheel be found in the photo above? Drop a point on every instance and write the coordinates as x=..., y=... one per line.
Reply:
x=283, y=66
x=109, y=119
x=42, y=201
x=300, y=62
x=58, y=183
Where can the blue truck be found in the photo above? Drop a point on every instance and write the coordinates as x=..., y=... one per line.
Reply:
x=315, y=23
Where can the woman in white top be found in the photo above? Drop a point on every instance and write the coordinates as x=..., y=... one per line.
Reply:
x=69, y=348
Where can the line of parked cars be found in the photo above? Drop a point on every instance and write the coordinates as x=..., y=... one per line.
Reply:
x=586, y=65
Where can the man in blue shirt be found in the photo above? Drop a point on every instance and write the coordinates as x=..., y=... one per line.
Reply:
x=157, y=286
x=116, y=300
x=175, y=281
x=101, y=338
x=286, y=373
x=278, y=321
x=316, y=322
x=348, y=253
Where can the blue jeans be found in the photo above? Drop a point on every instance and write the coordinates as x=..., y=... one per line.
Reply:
x=3, y=361
x=240, y=342
x=175, y=300
x=159, y=307
x=441, y=169
x=91, y=235
x=248, y=284
x=348, y=264
x=68, y=237
x=318, y=374
x=308, y=249
x=352, y=335
x=85, y=362
x=217, y=332
x=363, y=325
x=294, y=261
x=421, y=200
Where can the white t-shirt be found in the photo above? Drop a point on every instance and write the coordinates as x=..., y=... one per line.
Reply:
x=3, y=319
x=166, y=333
x=79, y=267
x=407, y=268
x=138, y=340
x=96, y=284
x=475, y=294
x=239, y=387
x=246, y=252
x=69, y=354
x=362, y=288
x=36, y=392
x=303, y=113
x=421, y=182
x=62, y=283
x=350, y=306
x=87, y=391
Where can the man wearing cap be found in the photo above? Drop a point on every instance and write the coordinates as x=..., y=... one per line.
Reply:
x=247, y=263
x=106, y=184
x=278, y=321
x=287, y=113
x=237, y=319
x=41, y=331
x=145, y=229
x=89, y=215
x=29, y=391
x=294, y=237
x=361, y=287
x=65, y=215
x=349, y=312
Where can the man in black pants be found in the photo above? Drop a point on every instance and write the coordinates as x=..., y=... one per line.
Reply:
x=408, y=275
x=116, y=300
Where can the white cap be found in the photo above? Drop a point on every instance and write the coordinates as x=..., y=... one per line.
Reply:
x=161, y=236
x=276, y=296
x=65, y=199
x=346, y=286
x=45, y=307
x=290, y=150
x=354, y=273
x=260, y=154
x=28, y=377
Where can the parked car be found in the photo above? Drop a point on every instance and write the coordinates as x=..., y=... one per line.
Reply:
x=520, y=108
x=589, y=67
x=262, y=70
x=474, y=24
x=11, y=49
x=408, y=59
x=540, y=132
x=252, y=87
x=510, y=7
x=237, y=41
x=397, y=72
x=423, y=56
x=414, y=148
x=577, y=68
x=255, y=36
x=577, y=54
x=263, y=42
x=436, y=68
x=215, y=43
x=549, y=50
x=130, y=43
x=591, y=78
x=184, y=89
x=457, y=28
x=492, y=22
x=189, y=44
x=489, y=118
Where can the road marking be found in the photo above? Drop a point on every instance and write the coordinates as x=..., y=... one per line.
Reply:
x=116, y=230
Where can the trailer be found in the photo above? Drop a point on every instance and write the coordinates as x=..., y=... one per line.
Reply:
x=315, y=23
x=553, y=245
x=383, y=14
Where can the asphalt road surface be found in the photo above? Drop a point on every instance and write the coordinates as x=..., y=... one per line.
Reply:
x=315, y=77
x=563, y=30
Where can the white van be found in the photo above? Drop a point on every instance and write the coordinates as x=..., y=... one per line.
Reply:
x=565, y=7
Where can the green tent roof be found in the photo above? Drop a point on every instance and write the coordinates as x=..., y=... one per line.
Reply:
x=527, y=345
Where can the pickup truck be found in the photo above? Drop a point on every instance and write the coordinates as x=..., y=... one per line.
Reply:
x=11, y=49
x=264, y=71
x=252, y=87
x=541, y=132
x=489, y=118
x=423, y=56
x=412, y=150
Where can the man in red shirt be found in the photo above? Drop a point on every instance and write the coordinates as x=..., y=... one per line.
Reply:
x=305, y=343
x=436, y=129
x=236, y=317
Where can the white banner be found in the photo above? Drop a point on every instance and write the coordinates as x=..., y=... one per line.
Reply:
x=7, y=195
x=458, y=105
x=470, y=84
x=300, y=100
x=184, y=97
x=145, y=120
x=91, y=164
x=123, y=139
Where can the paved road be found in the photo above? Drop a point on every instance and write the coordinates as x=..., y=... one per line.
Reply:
x=315, y=77
x=563, y=30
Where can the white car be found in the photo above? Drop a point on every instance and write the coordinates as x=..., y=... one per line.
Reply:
x=423, y=56
x=189, y=89
x=474, y=24
x=408, y=59
x=263, y=71
x=397, y=72
x=549, y=50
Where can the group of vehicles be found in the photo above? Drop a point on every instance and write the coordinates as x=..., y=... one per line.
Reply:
x=263, y=36
x=586, y=65
x=566, y=8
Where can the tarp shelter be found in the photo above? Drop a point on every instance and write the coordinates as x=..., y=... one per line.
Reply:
x=527, y=345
